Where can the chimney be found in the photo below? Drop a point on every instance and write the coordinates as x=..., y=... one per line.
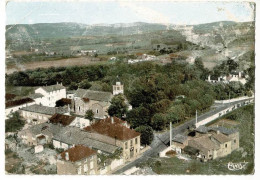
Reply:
x=209, y=78
x=67, y=156
x=218, y=79
x=239, y=74
x=112, y=119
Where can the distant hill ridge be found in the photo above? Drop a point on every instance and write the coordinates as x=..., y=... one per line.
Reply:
x=70, y=29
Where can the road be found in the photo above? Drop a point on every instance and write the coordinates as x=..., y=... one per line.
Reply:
x=161, y=141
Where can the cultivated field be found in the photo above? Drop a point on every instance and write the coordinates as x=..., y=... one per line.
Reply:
x=81, y=61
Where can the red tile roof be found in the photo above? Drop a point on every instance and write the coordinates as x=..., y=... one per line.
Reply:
x=85, y=99
x=77, y=153
x=9, y=97
x=18, y=102
x=65, y=120
x=115, y=130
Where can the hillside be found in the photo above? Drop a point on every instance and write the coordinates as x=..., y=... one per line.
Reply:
x=213, y=42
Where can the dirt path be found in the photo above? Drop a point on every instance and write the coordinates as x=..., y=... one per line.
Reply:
x=55, y=63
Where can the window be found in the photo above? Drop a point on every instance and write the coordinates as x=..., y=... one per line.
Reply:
x=131, y=143
x=235, y=141
x=126, y=145
x=92, y=157
x=85, y=167
x=91, y=165
x=225, y=145
x=97, y=111
x=136, y=140
x=118, y=88
x=79, y=108
x=79, y=170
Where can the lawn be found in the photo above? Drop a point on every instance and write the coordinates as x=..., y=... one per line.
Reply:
x=245, y=117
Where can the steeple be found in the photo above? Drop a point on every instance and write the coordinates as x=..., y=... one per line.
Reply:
x=118, y=87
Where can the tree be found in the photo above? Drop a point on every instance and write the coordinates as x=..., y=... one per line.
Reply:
x=89, y=115
x=73, y=86
x=146, y=134
x=118, y=106
x=14, y=123
x=138, y=116
x=84, y=84
x=158, y=121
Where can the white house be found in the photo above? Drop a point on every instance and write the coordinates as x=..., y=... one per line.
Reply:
x=50, y=94
x=232, y=77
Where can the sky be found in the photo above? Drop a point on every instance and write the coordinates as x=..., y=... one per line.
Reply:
x=126, y=12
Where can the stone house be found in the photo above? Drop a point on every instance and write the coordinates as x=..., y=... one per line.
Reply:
x=67, y=120
x=97, y=101
x=36, y=114
x=116, y=132
x=211, y=146
x=233, y=134
x=179, y=142
x=50, y=94
x=63, y=137
x=14, y=105
x=80, y=160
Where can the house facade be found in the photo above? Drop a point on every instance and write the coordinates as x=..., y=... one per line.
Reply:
x=116, y=132
x=50, y=94
x=97, y=101
x=37, y=114
x=80, y=160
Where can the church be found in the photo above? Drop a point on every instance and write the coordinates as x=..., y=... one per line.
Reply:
x=97, y=101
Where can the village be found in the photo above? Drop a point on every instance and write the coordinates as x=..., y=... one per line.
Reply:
x=56, y=125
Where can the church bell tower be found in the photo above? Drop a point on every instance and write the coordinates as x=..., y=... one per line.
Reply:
x=118, y=87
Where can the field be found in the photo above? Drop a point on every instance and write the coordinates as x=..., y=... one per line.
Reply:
x=244, y=118
x=81, y=61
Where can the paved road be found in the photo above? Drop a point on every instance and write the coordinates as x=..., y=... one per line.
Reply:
x=161, y=141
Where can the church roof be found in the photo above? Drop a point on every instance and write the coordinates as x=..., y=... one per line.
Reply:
x=94, y=95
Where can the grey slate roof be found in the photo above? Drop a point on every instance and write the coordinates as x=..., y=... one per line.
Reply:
x=69, y=135
x=202, y=129
x=45, y=109
x=53, y=87
x=224, y=130
x=179, y=138
x=94, y=95
x=35, y=96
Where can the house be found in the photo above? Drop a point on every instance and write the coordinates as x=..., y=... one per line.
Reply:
x=114, y=131
x=17, y=104
x=97, y=101
x=50, y=94
x=63, y=137
x=179, y=142
x=36, y=114
x=67, y=120
x=232, y=77
x=80, y=160
x=231, y=133
x=70, y=94
x=211, y=146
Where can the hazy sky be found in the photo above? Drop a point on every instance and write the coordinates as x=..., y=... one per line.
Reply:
x=125, y=12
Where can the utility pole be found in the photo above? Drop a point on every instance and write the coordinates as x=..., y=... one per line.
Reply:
x=229, y=98
x=170, y=134
x=196, y=118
